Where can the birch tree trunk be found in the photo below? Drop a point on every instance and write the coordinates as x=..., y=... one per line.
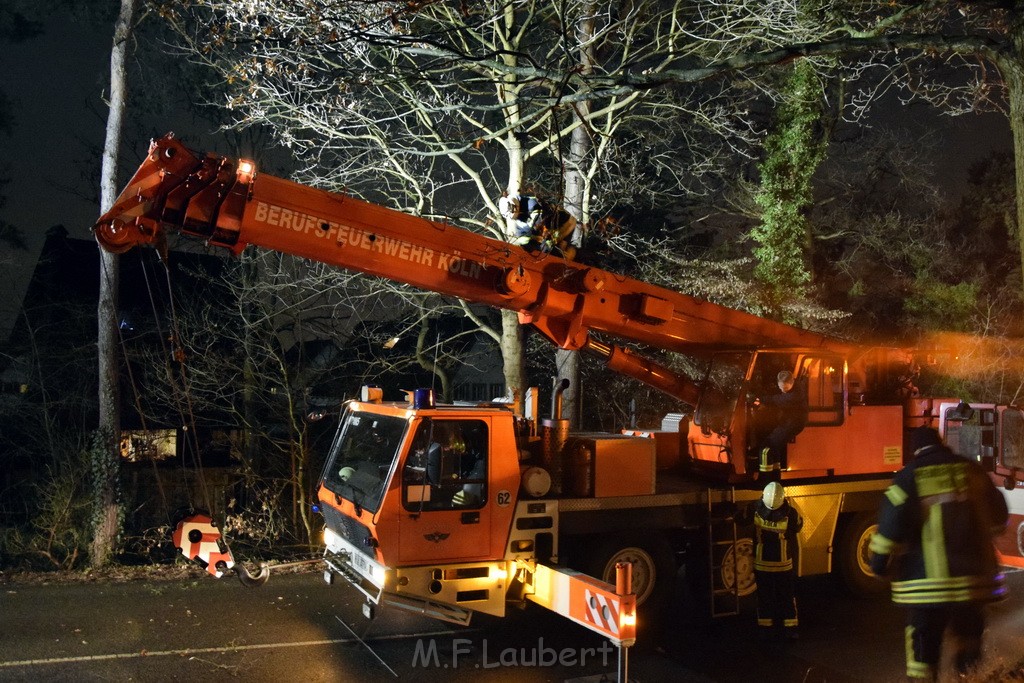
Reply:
x=567, y=363
x=511, y=345
x=107, y=513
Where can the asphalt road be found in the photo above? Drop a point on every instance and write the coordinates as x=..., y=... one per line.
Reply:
x=291, y=629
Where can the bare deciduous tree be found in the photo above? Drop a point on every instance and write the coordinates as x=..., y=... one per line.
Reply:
x=271, y=340
x=438, y=108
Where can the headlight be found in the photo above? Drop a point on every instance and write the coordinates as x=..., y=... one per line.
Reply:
x=330, y=538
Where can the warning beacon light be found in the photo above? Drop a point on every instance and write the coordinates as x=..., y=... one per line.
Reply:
x=246, y=170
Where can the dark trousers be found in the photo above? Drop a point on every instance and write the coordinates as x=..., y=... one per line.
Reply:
x=773, y=452
x=925, y=628
x=776, y=600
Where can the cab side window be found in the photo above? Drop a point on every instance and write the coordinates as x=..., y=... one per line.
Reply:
x=822, y=378
x=447, y=466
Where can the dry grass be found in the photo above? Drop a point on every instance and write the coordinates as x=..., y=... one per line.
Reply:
x=122, y=574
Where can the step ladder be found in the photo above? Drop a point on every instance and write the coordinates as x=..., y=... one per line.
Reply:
x=723, y=556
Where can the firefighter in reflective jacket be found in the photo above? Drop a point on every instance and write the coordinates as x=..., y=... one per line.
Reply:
x=934, y=537
x=776, y=524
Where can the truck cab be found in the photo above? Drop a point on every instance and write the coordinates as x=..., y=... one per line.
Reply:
x=421, y=488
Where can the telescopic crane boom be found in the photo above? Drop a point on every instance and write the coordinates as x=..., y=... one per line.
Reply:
x=230, y=205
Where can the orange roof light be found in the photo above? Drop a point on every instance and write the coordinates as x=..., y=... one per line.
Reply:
x=246, y=171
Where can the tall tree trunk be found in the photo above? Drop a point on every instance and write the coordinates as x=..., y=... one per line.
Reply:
x=1012, y=67
x=426, y=357
x=511, y=344
x=1015, y=85
x=793, y=149
x=512, y=354
x=567, y=363
x=106, y=457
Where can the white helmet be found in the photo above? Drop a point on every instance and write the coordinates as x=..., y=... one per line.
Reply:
x=773, y=495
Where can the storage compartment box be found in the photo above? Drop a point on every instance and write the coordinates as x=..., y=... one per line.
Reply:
x=605, y=465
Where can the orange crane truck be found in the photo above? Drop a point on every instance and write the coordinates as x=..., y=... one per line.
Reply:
x=448, y=510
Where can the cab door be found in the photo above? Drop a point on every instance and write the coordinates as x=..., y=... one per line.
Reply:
x=446, y=506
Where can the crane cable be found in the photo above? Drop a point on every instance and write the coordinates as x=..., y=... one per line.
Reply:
x=197, y=523
x=136, y=394
x=180, y=385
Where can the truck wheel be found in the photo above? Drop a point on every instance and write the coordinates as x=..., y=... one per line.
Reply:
x=854, y=555
x=654, y=565
x=743, y=575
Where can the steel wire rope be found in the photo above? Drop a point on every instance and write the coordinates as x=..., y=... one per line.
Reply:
x=181, y=394
x=165, y=353
x=133, y=384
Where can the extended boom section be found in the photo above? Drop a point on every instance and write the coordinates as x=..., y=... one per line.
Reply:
x=230, y=205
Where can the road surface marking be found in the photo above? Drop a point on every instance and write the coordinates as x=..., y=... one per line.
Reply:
x=210, y=650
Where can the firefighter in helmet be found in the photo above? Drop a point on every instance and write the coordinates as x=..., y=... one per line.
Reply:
x=934, y=538
x=776, y=524
x=537, y=226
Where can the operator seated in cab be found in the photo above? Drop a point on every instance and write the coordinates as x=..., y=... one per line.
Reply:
x=450, y=458
x=783, y=416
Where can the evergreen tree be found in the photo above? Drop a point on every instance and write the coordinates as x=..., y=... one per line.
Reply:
x=793, y=150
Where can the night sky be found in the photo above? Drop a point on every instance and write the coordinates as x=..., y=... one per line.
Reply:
x=56, y=84
x=51, y=82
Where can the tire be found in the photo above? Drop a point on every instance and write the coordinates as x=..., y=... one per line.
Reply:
x=854, y=555
x=699, y=600
x=654, y=566
x=744, y=570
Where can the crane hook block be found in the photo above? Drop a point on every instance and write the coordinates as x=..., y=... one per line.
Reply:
x=248, y=579
x=198, y=538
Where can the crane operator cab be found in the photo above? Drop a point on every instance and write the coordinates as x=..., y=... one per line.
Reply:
x=447, y=465
x=739, y=411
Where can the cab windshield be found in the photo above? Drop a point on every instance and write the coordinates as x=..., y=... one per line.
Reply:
x=721, y=389
x=362, y=455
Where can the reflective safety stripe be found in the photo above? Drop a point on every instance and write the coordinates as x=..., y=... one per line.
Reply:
x=764, y=566
x=915, y=669
x=945, y=497
x=896, y=495
x=778, y=527
x=933, y=544
x=948, y=589
x=880, y=545
x=934, y=479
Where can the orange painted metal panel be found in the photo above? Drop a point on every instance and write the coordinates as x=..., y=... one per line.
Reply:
x=870, y=440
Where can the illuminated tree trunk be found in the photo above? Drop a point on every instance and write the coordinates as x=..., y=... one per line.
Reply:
x=567, y=363
x=107, y=512
x=512, y=354
x=426, y=360
x=1012, y=67
x=511, y=344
